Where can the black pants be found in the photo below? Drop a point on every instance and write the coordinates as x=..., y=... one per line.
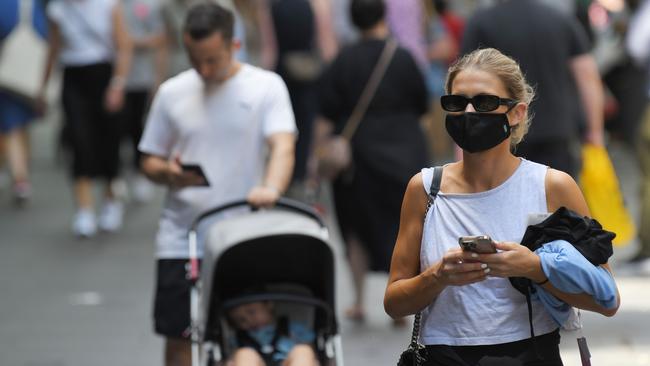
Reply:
x=304, y=100
x=90, y=133
x=135, y=108
x=520, y=353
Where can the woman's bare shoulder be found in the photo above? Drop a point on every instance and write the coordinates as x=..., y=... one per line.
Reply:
x=562, y=190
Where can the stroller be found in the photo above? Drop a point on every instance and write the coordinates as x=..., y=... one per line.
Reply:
x=281, y=252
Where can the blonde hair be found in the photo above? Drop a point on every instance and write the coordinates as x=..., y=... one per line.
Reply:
x=508, y=71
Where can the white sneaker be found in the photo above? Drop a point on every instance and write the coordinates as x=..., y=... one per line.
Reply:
x=142, y=189
x=110, y=216
x=84, y=224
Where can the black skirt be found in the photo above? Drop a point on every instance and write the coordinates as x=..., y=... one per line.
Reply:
x=90, y=133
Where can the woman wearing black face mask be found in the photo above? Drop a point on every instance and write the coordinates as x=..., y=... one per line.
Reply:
x=471, y=315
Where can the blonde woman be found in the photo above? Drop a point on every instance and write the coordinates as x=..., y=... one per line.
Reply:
x=471, y=315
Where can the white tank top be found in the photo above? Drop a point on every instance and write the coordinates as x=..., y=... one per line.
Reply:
x=492, y=311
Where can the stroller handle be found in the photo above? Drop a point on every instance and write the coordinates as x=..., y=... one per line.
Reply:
x=283, y=202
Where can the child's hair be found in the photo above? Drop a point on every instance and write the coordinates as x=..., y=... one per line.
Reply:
x=508, y=71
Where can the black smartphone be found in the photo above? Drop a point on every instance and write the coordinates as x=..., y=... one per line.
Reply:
x=478, y=244
x=196, y=169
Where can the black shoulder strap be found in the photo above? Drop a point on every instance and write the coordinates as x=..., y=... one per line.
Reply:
x=435, y=182
x=435, y=187
x=415, y=346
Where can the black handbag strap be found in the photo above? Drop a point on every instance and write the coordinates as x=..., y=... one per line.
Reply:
x=370, y=89
x=433, y=192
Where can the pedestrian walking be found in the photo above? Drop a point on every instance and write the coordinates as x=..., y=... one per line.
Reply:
x=90, y=40
x=306, y=41
x=232, y=122
x=148, y=70
x=387, y=147
x=471, y=315
x=16, y=111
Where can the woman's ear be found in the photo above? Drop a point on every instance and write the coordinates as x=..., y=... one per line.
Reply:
x=519, y=113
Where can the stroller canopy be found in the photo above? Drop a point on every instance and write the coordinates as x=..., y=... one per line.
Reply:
x=262, y=248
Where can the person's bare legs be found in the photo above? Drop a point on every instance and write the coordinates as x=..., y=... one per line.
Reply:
x=178, y=352
x=358, y=259
x=83, y=193
x=17, y=154
x=17, y=151
x=301, y=355
x=246, y=357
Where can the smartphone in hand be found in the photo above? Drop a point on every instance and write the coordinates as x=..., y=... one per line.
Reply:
x=482, y=244
x=196, y=169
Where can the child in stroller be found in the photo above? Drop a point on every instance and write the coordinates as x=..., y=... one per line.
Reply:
x=261, y=340
x=268, y=241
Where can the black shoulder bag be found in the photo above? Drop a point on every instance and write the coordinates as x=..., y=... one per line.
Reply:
x=415, y=354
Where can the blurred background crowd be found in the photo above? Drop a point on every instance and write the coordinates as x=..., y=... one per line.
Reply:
x=106, y=59
x=103, y=60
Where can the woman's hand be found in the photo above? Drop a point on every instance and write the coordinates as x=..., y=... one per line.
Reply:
x=458, y=268
x=514, y=260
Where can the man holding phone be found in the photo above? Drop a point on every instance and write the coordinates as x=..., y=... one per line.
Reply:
x=218, y=132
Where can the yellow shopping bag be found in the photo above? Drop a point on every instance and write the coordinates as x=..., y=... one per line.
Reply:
x=601, y=189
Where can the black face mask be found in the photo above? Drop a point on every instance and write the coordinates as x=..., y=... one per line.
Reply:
x=476, y=132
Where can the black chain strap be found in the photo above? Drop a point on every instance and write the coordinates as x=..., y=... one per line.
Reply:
x=415, y=345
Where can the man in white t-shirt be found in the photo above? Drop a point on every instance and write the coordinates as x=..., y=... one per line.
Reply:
x=233, y=120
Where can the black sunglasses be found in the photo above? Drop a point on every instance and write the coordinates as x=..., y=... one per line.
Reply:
x=481, y=102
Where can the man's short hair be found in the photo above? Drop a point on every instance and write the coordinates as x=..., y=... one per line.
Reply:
x=206, y=18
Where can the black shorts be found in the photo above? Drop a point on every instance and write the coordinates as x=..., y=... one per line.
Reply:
x=172, y=300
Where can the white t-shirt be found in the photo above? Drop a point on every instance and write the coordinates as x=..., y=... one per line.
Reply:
x=86, y=29
x=224, y=131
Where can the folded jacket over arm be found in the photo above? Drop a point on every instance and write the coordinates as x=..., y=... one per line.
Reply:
x=569, y=271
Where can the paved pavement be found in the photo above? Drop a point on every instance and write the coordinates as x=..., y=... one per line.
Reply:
x=69, y=302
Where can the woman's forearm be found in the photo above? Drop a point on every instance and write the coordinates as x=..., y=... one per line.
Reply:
x=584, y=300
x=409, y=296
